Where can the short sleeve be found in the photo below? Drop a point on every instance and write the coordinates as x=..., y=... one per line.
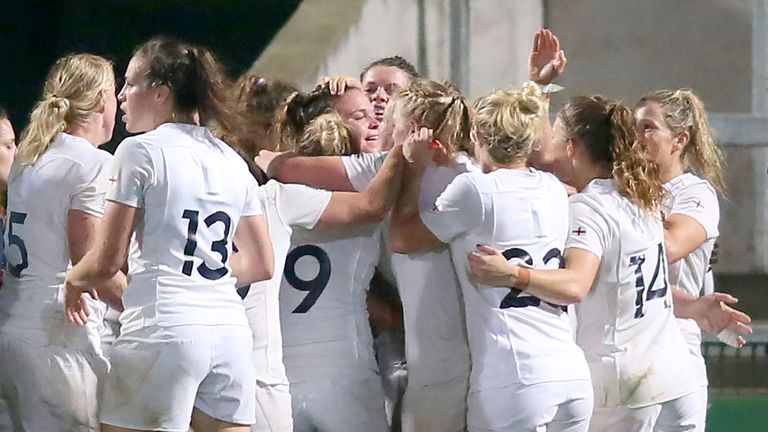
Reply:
x=699, y=201
x=588, y=230
x=132, y=172
x=252, y=205
x=457, y=210
x=302, y=205
x=92, y=185
x=362, y=168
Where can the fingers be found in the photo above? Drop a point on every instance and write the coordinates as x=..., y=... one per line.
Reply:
x=725, y=298
x=537, y=41
x=487, y=250
x=739, y=316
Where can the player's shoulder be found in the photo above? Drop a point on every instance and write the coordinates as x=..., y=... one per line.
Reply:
x=689, y=184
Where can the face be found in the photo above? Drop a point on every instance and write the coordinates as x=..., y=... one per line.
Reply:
x=387, y=127
x=380, y=83
x=7, y=150
x=560, y=144
x=138, y=100
x=662, y=143
x=357, y=112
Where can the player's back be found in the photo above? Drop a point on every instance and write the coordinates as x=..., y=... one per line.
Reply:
x=515, y=337
x=194, y=190
x=322, y=301
x=70, y=175
x=626, y=324
x=286, y=206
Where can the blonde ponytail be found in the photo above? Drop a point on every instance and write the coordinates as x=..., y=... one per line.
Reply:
x=72, y=92
x=439, y=105
x=510, y=121
x=326, y=135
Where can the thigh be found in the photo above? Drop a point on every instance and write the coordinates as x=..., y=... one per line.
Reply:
x=439, y=407
x=155, y=376
x=228, y=392
x=687, y=413
x=48, y=387
x=273, y=412
x=623, y=419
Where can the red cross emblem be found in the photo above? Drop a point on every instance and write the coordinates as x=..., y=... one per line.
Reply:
x=579, y=231
x=698, y=204
x=113, y=179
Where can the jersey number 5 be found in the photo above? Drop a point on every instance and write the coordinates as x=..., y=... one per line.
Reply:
x=651, y=293
x=15, y=240
x=218, y=246
x=313, y=287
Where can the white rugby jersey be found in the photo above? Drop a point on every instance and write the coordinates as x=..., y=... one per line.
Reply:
x=191, y=189
x=71, y=175
x=692, y=196
x=513, y=337
x=323, y=311
x=626, y=327
x=286, y=206
x=435, y=337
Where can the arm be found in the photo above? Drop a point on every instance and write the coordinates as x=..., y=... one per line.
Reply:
x=374, y=203
x=323, y=172
x=562, y=286
x=682, y=235
x=255, y=259
x=407, y=232
x=102, y=262
x=81, y=236
x=547, y=61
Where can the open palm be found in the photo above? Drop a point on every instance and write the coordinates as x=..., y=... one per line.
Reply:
x=547, y=60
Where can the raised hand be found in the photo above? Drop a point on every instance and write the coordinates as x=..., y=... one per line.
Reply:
x=338, y=84
x=547, y=60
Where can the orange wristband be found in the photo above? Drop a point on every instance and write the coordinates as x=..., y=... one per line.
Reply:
x=523, y=278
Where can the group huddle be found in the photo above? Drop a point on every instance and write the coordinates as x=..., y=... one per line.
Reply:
x=371, y=255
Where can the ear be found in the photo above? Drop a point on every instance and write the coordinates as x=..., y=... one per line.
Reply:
x=162, y=93
x=569, y=147
x=102, y=102
x=682, y=139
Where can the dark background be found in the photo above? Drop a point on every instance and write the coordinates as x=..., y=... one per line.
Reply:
x=34, y=33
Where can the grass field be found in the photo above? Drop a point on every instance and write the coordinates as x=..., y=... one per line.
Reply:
x=738, y=412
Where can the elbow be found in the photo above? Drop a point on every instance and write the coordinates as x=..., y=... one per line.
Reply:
x=375, y=212
x=573, y=293
x=397, y=243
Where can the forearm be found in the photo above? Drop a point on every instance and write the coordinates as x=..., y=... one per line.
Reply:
x=322, y=172
x=384, y=189
x=405, y=212
x=684, y=303
x=561, y=286
x=90, y=272
x=111, y=291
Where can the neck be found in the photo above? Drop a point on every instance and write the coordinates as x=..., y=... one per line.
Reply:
x=521, y=165
x=670, y=172
x=586, y=174
x=89, y=131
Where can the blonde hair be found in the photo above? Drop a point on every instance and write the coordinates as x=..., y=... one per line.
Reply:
x=438, y=105
x=509, y=122
x=72, y=92
x=326, y=135
x=684, y=111
x=298, y=111
x=608, y=131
